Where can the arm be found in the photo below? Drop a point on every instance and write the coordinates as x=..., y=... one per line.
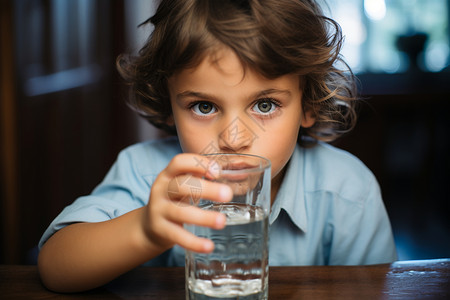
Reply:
x=83, y=256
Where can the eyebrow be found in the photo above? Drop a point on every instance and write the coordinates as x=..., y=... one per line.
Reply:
x=255, y=95
x=194, y=94
x=272, y=91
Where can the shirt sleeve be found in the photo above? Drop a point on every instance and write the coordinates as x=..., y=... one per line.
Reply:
x=363, y=235
x=124, y=189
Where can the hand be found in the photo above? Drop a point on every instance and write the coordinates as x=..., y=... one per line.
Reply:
x=169, y=205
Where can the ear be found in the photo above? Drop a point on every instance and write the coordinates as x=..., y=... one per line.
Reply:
x=308, y=119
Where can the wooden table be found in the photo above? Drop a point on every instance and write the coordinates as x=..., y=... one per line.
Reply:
x=421, y=279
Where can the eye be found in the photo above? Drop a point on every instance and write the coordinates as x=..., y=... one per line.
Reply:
x=265, y=106
x=203, y=108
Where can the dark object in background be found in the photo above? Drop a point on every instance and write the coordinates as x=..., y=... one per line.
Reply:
x=413, y=45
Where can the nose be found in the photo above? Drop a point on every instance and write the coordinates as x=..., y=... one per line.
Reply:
x=237, y=136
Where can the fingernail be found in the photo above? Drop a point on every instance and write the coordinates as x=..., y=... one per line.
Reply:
x=214, y=169
x=225, y=192
x=208, y=246
x=220, y=221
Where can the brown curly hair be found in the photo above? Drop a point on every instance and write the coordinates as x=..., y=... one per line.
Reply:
x=272, y=37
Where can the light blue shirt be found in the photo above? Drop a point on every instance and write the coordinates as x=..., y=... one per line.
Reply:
x=328, y=210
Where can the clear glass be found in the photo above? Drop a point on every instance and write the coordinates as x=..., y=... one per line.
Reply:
x=238, y=266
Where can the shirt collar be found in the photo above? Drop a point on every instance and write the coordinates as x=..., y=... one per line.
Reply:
x=290, y=196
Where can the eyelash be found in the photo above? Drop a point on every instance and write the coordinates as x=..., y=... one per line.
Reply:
x=275, y=105
x=194, y=107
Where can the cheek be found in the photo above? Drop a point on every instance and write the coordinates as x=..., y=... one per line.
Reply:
x=184, y=131
x=281, y=153
x=194, y=139
x=279, y=145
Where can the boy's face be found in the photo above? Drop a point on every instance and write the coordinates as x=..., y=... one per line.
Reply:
x=219, y=108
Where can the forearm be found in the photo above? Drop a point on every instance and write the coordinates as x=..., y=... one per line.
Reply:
x=83, y=256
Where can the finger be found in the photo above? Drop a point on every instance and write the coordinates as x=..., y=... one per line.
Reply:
x=196, y=216
x=190, y=189
x=188, y=240
x=195, y=164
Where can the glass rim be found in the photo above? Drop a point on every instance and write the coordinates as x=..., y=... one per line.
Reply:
x=264, y=163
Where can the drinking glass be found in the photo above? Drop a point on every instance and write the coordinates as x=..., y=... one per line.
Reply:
x=238, y=266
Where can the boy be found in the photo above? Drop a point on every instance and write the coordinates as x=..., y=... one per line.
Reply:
x=255, y=77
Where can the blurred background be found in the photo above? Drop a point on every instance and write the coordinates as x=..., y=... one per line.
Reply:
x=63, y=117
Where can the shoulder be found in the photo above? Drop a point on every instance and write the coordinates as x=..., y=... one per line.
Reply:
x=157, y=147
x=337, y=171
x=150, y=156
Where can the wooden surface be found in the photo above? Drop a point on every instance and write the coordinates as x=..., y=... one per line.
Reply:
x=424, y=279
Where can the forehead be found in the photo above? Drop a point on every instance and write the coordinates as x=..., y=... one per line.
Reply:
x=219, y=59
x=225, y=77
x=222, y=65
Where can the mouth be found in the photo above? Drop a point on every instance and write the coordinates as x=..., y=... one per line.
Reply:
x=238, y=166
x=238, y=172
